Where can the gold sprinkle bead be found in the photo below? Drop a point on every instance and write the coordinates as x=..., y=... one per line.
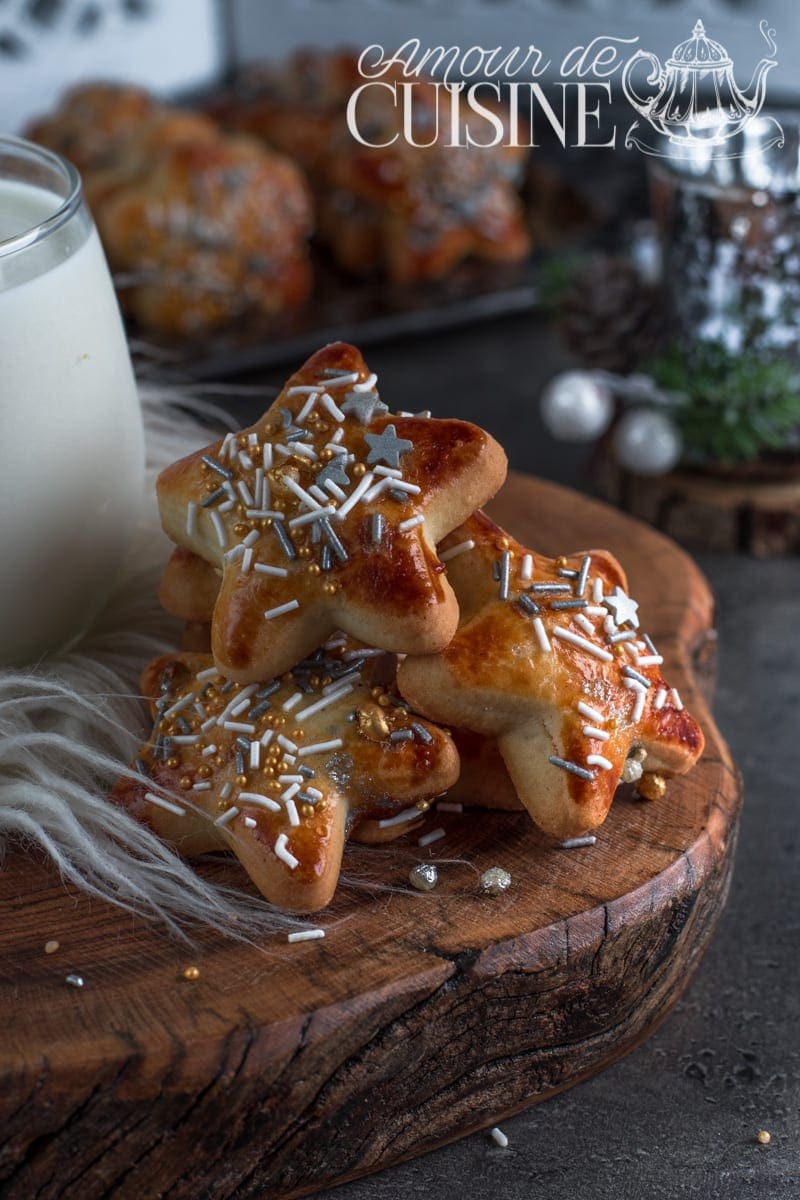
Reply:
x=297, y=735
x=423, y=805
x=764, y=1137
x=172, y=762
x=279, y=721
x=326, y=455
x=502, y=543
x=376, y=691
x=266, y=523
x=359, y=469
x=313, y=568
x=241, y=780
x=307, y=810
x=305, y=552
x=241, y=529
x=330, y=589
x=242, y=440
x=184, y=783
x=211, y=692
x=561, y=562
x=51, y=947
x=651, y=786
x=218, y=760
x=384, y=701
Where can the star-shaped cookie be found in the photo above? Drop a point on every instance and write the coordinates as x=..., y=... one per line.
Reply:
x=283, y=772
x=540, y=663
x=324, y=515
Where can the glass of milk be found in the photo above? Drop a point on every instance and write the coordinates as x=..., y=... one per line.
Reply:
x=71, y=444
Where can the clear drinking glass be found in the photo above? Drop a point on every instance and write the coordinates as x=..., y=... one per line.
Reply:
x=71, y=442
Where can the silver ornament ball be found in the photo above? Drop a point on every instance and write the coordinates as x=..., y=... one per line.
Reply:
x=647, y=442
x=576, y=407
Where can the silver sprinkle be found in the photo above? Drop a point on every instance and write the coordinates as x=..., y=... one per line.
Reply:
x=583, y=575
x=567, y=605
x=495, y=881
x=578, y=842
x=402, y=735
x=505, y=566
x=75, y=980
x=550, y=589
x=423, y=877
x=637, y=675
x=572, y=767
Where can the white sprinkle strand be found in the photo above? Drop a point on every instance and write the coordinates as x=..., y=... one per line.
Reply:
x=330, y=404
x=355, y=495
x=320, y=747
x=591, y=731
x=219, y=528
x=266, y=569
x=250, y=822
x=541, y=635
x=651, y=660
x=261, y=801
x=301, y=493
x=402, y=818
x=597, y=760
x=255, y=755
x=597, y=590
x=179, y=705
x=291, y=810
x=593, y=714
x=160, y=802
x=575, y=639
x=307, y=407
x=212, y=749
x=208, y=673
x=283, y=854
x=499, y=1137
x=236, y=552
x=203, y=786
x=227, y=816
x=676, y=700
x=660, y=700
x=411, y=523
x=638, y=708
x=247, y=560
x=325, y=701
x=585, y=624
x=366, y=385
x=526, y=570
x=239, y=726
x=433, y=836
x=454, y=551
x=305, y=935
x=307, y=518
x=280, y=609
x=191, y=519
x=292, y=702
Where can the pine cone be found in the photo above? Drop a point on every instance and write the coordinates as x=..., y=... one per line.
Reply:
x=609, y=317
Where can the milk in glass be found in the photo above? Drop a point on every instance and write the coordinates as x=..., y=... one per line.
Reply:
x=71, y=448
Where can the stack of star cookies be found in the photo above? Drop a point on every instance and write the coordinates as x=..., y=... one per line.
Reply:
x=342, y=592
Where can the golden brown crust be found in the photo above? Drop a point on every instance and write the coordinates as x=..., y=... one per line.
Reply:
x=411, y=212
x=388, y=590
x=498, y=679
x=201, y=227
x=286, y=827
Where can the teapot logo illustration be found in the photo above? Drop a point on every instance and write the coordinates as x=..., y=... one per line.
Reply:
x=696, y=101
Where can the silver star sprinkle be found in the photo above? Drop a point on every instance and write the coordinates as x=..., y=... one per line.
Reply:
x=622, y=608
x=387, y=446
x=364, y=406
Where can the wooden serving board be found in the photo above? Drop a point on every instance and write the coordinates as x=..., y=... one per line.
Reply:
x=418, y=1019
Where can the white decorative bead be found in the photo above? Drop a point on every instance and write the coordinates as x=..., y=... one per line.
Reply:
x=576, y=407
x=647, y=442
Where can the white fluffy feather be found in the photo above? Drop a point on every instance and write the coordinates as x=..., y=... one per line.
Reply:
x=69, y=726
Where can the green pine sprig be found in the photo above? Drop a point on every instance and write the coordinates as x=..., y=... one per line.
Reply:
x=736, y=406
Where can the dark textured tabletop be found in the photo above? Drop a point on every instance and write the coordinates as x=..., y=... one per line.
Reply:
x=679, y=1116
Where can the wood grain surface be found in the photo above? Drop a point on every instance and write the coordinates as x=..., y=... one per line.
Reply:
x=417, y=1019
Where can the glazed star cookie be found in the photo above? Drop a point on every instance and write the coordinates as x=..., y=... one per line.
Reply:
x=324, y=515
x=549, y=660
x=283, y=772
